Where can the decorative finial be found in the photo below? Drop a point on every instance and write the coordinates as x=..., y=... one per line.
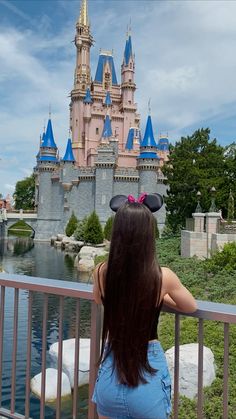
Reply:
x=50, y=110
x=213, y=200
x=83, y=17
x=44, y=126
x=198, y=207
x=129, y=26
x=149, y=106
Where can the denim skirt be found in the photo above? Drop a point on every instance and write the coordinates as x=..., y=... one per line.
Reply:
x=146, y=401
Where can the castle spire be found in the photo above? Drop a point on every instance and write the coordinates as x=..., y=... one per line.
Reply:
x=83, y=17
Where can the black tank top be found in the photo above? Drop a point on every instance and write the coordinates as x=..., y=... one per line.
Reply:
x=154, y=333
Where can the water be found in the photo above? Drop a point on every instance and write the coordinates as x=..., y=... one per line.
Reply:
x=23, y=256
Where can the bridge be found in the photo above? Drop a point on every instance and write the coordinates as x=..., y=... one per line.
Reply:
x=9, y=218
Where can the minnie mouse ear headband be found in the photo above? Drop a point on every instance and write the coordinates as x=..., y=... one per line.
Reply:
x=153, y=201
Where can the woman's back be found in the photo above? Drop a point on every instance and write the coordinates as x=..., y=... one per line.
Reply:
x=132, y=288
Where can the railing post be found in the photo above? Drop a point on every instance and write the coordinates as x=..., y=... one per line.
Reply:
x=94, y=354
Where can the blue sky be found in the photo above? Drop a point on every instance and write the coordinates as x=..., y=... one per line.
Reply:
x=185, y=62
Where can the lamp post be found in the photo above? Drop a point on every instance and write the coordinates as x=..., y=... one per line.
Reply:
x=198, y=207
x=213, y=199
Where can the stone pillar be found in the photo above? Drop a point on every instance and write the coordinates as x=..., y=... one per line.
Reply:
x=211, y=222
x=198, y=221
x=211, y=228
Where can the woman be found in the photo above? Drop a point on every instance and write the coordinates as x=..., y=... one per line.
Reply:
x=133, y=379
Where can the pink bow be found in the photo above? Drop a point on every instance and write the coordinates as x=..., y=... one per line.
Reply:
x=139, y=200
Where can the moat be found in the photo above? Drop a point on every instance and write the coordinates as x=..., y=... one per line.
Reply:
x=23, y=256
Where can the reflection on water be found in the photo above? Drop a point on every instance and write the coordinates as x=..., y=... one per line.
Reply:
x=23, y=256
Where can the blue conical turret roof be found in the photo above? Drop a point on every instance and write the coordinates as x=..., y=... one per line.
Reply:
x=128, y=50
x=69, y=156
x=48, y=138
x=108, y=101
x=107, y=131
x=148, y=139
x=88, y=98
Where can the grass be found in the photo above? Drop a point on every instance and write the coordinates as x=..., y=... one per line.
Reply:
x=204, y=285
x=20, y=228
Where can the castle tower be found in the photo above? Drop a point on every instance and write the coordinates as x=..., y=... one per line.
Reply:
x=128, y=88
x=49, y=203
x=148, y=161
x=82, y=77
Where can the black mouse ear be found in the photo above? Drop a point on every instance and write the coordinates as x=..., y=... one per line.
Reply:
x=117, y=201
x=153, y=201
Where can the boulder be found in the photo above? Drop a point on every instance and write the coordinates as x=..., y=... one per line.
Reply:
x=53, y=239
x=57, y=243
x=73, y=246
x=68, y=357
x=188, y=368
x=90, y=252
x=85, y=265
x=60, y=237
x=51, y=385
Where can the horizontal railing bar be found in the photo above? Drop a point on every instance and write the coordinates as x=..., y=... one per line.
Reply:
x=48, y=286
x=7, y=414
x=207, y=310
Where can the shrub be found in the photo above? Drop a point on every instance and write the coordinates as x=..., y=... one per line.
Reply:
x=93, y=231
x=80, y=229
x=225, y=259
x=71, y=225
x=108, y=228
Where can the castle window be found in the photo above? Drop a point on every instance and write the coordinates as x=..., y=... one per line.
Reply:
x=103, y=199
x=97, y=131
x=104, y=174
x=76, y=122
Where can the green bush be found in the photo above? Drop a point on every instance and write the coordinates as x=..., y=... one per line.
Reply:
x=93, y=231
x=225, y=259
x=71, y=225
x=108, y=228
x=80, y=229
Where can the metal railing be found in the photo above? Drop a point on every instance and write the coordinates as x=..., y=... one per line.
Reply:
x=206, y=311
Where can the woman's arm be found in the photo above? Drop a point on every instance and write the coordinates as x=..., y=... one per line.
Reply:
x=176, y=294
x=98, y=276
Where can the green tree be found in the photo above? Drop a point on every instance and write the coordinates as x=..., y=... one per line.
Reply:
x=93, y=232
x=230, y=207
x=196, y=163
x=24, y=194
x=108, y=228
x=71, y=225
x=80, y=229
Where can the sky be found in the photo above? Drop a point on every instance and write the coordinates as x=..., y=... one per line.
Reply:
x=185, y=63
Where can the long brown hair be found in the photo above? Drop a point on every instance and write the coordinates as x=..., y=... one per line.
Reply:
x=132, y=292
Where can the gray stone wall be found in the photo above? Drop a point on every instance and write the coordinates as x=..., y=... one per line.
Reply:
x=103, y=192
x=148, y=181
x=126, y=188
x=83, y=190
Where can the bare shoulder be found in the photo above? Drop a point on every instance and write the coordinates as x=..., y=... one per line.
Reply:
x=169, y=280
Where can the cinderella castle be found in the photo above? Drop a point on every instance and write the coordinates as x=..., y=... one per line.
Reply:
x=106, y=154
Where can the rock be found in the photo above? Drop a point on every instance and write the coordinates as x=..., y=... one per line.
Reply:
x=57, y=243
x=188, y=368
x=51, y=385
x=60, y=237
x=85, y=265
x=74, y=246
x=53, y=239
x=68, y=357
x=89, y=252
